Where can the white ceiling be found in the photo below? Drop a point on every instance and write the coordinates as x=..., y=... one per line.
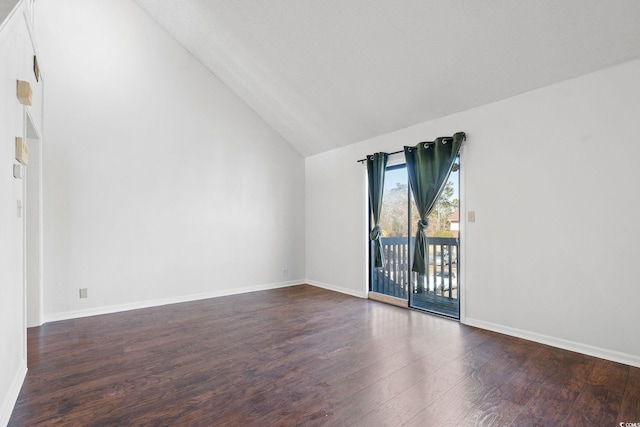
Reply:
x=328, y=73
x=6, y=6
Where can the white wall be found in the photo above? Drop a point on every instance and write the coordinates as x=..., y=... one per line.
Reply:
x=552, y=176
x=16, y=59
x=336, y=204
x=158, y=181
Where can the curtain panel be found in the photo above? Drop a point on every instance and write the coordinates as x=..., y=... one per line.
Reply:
x=376, y=166
x=428, y=167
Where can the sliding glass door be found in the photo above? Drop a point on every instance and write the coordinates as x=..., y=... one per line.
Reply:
x=393, y=279
x=437, y=291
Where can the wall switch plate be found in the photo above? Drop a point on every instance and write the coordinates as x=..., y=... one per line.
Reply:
x=83, y=292
x=18, y=171
x=471, y=216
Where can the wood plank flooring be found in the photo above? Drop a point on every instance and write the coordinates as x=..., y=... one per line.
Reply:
x=437, y=304
x=307, y=356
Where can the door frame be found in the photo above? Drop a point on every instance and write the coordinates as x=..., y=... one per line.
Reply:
x=33, y=227
x=462, y=253
x=462, y=205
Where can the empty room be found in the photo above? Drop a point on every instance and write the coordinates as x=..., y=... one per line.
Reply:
x=297, y=212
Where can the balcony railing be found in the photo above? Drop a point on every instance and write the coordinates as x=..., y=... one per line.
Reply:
x=396, y=278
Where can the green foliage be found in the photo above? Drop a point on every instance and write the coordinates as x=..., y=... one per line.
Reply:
x=395, y=212
x=442, y=211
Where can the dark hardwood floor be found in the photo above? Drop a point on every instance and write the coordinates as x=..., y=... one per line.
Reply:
x=307, y=356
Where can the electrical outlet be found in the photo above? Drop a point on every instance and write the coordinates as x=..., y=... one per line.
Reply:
x=284, y=271
x=83, y=292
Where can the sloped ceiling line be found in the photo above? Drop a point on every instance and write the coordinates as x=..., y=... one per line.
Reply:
x=331, y=73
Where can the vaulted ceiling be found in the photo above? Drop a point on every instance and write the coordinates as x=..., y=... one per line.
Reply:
x=5, y=8
x=328, y=73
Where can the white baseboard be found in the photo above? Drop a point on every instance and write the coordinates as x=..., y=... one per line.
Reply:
x=52, y=317
x=602, y=353
x=11, y=398
x=338, y=289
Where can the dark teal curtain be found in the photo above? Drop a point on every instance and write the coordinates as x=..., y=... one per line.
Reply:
x=428, y=166
x=376, y=166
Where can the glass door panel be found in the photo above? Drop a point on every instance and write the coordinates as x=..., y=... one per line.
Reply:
x=437, y=291
x=393, y=279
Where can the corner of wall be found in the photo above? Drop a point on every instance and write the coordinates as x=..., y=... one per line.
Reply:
x=9, y=401
x=340, y=289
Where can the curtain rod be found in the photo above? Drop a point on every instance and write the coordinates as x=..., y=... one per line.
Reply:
x=395, y=152
x=464, y=138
